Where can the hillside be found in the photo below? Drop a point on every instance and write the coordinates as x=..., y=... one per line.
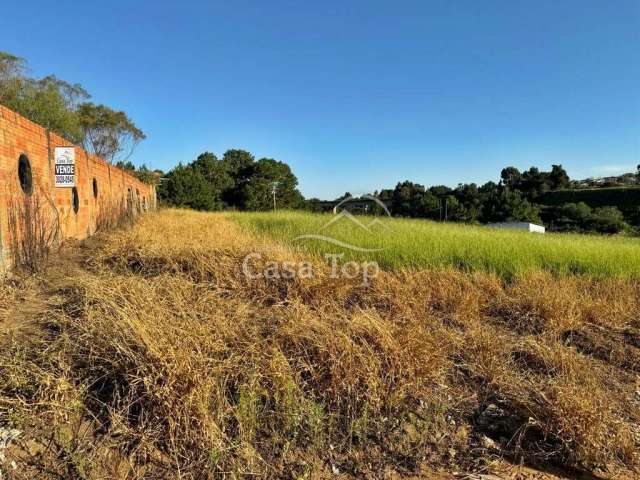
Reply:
x=626, y=199
x=146, y=353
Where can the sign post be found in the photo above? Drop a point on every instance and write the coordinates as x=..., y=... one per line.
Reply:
x=65, y=167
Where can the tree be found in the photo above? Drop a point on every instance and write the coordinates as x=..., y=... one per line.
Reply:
x=142, y=173
x=238, y=164
x=488, y=188
x=634, y=217
x=237, y=161
x=511, y=177
x=430, y=206
x=568, y=217
x=57, y=106
x=216, y=173
x=407, y=198
x=127, y=166
x=108, y=133
x=504, y=205
x=11, y=66
x=50, y=102
x=440, y=190
x=410, y=199
x=607, y=220
x=186, y=187
x=470, y=198
x=12, y=79
x=454, y=210
x=533, y=183
x=236, y=181
x=146, y=175
x=385, y=195
x=257, y=191
x=558, y=177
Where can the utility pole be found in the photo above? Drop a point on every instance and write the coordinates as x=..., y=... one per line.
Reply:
x=274, y=189
x=442, y=197
x=446, y=208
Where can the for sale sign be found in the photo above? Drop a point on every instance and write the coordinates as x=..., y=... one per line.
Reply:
x=65, y=164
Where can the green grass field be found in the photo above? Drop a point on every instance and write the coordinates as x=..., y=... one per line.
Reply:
x=421, y=243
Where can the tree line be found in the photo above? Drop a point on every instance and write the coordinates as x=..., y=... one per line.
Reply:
x=237, y=180
x=517, y=197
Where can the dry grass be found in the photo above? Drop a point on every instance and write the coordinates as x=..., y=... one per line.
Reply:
x=157, y=358
x=34, y=230
x=112, y=215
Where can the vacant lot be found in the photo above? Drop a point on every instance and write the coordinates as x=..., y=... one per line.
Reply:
x=146, y=353
x=425, y=244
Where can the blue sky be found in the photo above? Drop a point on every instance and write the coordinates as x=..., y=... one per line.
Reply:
x=356, y=95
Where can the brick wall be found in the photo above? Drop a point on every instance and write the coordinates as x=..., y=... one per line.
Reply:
x=115, y=188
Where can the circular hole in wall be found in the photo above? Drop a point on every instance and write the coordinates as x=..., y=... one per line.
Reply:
x=95, y=188
x=75, y=200
x=24, y=174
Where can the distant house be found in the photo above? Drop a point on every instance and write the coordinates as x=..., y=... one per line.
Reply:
x=529, y=227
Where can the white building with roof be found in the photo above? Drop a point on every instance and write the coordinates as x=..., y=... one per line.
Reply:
x=529, y=227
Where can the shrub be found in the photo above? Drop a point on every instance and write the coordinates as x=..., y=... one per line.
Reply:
x=33, y=231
